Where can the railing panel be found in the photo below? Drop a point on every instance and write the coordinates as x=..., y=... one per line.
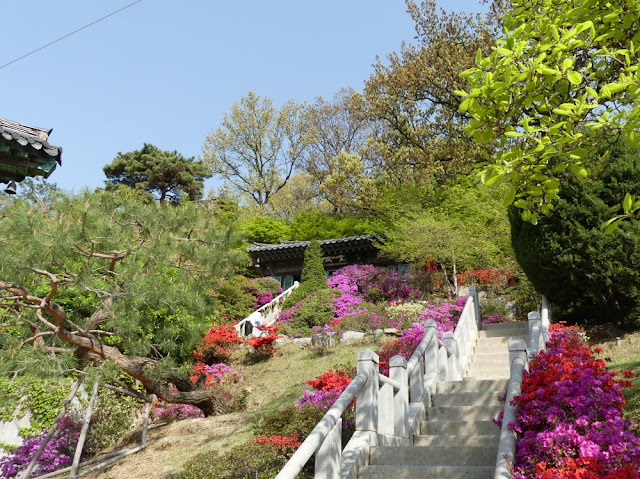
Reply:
x=329, y=454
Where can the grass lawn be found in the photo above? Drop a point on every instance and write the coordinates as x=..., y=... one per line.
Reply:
x=626, y=357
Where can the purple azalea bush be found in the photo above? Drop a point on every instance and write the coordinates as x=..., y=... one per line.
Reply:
x=58, y=452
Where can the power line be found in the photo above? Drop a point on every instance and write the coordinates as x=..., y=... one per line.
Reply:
x=68, y=35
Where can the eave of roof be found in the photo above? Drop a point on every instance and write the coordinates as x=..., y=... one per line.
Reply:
x=297, y=247
x=25, y=151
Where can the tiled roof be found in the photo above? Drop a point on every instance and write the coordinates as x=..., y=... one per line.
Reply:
x=25, y=151
x=295, y=249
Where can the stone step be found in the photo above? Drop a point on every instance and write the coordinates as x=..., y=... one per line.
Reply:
x=500, y=340
x=510, y=325
x=433, y=456
x=503, y=332
x=453, y=428
x=485, y=374
x=502, y=349
x=466, y=413
x=491, y=355
x=440, y=472
x=484, y=398
x=470, y=385
x=458, y=440
x=483, y=368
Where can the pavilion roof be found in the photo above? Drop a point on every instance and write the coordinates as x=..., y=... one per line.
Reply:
x=25, y=151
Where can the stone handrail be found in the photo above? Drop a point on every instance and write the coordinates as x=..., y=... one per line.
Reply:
x=267, y=312
x=519, y=356
x=388, y=409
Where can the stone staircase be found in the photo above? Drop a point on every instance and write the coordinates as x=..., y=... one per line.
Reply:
x=458, y=440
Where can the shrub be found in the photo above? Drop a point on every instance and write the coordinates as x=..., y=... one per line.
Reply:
x=315, y=310
x=494, y=277
x=58, y=452
x=591, y=276
x=240, y=296
x=175, y=412
x=263, y=345
x=289, y=421
x=113, y=416
x=216, y=345
x=247, y=461
x=569, y=414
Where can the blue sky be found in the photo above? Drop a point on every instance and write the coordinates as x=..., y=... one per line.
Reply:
x=165, y=72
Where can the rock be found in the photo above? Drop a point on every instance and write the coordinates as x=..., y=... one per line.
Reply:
x=463, y=291
x=302, y=342
x=283, y=340
x=350, y=335
x=322, y=339
x=392, y=331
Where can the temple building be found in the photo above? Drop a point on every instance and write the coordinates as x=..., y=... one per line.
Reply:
x=284, y=261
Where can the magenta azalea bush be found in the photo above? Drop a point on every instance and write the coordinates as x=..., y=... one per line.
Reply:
x=58, y=452
x=364, y=279
x=176, y=412
x=569, y=416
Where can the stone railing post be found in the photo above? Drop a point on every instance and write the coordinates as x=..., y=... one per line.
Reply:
x=507, y=445
x=367, y=400
x=535, y=333
x=453, y=359
x=473, y=292
x=431, y=355
x=398, y=372
x=545, y=316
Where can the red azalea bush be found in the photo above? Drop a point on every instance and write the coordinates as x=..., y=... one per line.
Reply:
x=492, y=276
x=263, y=345
x=332, y=380
x=216, y=345
x=569, y=416
x=285, y=445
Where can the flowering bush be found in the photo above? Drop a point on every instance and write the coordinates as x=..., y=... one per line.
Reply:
x=569, y=415
x=285, y=445
x=495, y=277
x=216, y=344
x=174, y=412
x=445, y=315
x=58, y=452
x=371, y=282
x=403, y=314
x=494, y=319
x=263, y=345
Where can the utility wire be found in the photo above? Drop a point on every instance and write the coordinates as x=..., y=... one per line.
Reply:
x=68, y=34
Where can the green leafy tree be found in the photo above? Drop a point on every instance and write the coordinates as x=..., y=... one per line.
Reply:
x=108, y=280
x=561, y=82
x=420, y=128
x=258, y=147
x=464, y=227
x=313, y=224
x=591, y=276
x=166, y=174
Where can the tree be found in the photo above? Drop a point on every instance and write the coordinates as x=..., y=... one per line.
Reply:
x=166, y=174
x=257, y=148
x=591, y=276
x=421, y=130
x=313, y=278
x=337, y=158
x=465, y=227
x=107, y=280
x=561, y=82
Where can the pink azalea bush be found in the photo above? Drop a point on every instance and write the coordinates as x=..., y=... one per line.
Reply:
x=569, y=416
